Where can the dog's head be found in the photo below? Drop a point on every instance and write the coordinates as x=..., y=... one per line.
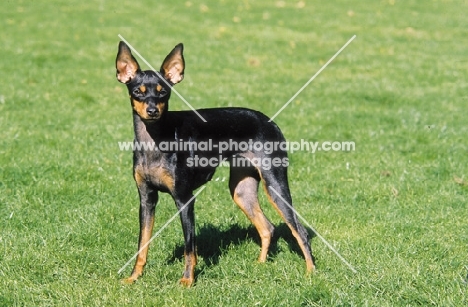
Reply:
x=150, y=90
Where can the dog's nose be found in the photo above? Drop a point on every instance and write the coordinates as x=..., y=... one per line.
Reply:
x=152, y=111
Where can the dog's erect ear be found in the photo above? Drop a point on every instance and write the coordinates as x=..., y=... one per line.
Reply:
x=125, y=63
x=173, y=66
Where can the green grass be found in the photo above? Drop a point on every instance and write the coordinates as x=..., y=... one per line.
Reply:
x=396, y=208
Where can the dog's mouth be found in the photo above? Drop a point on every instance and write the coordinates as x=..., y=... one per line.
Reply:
x=151, y=118
x=144, y=116
x=147, y=111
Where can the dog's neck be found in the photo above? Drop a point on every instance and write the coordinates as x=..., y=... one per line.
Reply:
x=151, y=131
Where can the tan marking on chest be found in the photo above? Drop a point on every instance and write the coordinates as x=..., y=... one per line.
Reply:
x=158, y=176
x=139, y=178
x=162, y=177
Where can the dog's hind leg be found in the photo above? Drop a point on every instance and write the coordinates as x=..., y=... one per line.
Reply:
x=243, y=184
x=277, y=190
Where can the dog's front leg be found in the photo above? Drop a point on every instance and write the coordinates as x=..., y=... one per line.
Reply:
x=187, y=217
x=148, y=200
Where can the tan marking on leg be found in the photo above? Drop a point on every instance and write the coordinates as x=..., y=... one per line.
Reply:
x=305, y=251
x=189, y=274
x=246, y=197
x=263, y=226
x=143, y=253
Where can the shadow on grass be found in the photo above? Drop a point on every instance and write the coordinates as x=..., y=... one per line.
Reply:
x=213, y=242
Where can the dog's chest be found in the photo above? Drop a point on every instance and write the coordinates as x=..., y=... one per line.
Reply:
x=155, y=174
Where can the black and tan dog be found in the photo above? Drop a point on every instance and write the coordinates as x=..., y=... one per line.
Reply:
x=157, y=171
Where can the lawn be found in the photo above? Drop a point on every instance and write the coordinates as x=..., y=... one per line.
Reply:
x=395, y=208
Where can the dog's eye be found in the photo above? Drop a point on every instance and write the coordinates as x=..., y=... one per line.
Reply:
x=162, y=92
x=137, y=92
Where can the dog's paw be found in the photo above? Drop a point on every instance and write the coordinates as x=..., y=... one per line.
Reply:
x=128, y=281
x=186, y=282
